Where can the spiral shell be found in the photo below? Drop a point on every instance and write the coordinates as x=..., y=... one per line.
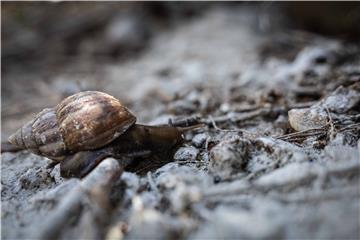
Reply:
x=41, y=135
x=84, y=121
x=89, y=120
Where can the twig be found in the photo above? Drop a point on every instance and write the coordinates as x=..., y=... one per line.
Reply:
x=332, y=131
x=316, y=132
x=217, y=128
x=250, y=115
x=350, y=127
x=302, y=135
x=185, y=122
x=229, y=130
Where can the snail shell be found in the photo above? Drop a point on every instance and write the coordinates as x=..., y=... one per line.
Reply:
x=41, y=135
x=83, y=121
x=89, y=120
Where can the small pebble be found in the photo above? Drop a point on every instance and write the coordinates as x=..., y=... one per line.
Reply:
x=229, y=157
x=199, y=139
x=343, y=99
x=186, y=154
x=308, y=118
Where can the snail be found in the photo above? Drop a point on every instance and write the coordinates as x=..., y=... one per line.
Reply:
x=89, y=126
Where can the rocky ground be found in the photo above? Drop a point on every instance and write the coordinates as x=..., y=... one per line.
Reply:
x=278, y=157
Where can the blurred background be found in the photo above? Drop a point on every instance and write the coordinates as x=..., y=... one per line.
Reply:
x=146, y=53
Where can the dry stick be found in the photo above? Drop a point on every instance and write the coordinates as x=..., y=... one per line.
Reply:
x=302, y=134
x=251, y=115
x=305, y=133
x=245, y=109
x=102, y=176
x=217, y=128
x=287, y=107
x=293, y=137
x=228, y=130
x=346, y=120
x=185, y=122
x=241, y=117
x=332, y=130
x=236, y=117
x=350, y=127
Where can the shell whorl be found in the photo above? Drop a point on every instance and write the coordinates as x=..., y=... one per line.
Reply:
x=23, y=135
x=41, y=135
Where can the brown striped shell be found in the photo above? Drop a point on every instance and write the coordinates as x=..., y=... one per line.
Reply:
x=41, y=135
x=89, y=120
x=83, y=121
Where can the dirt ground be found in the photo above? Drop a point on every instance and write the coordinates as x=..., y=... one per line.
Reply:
x=278, y=157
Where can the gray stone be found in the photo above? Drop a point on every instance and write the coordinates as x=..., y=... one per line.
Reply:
x=229, y=157
x=199, y=139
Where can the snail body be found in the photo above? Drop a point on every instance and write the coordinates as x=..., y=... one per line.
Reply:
x=89, y=126
x=148, y=146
